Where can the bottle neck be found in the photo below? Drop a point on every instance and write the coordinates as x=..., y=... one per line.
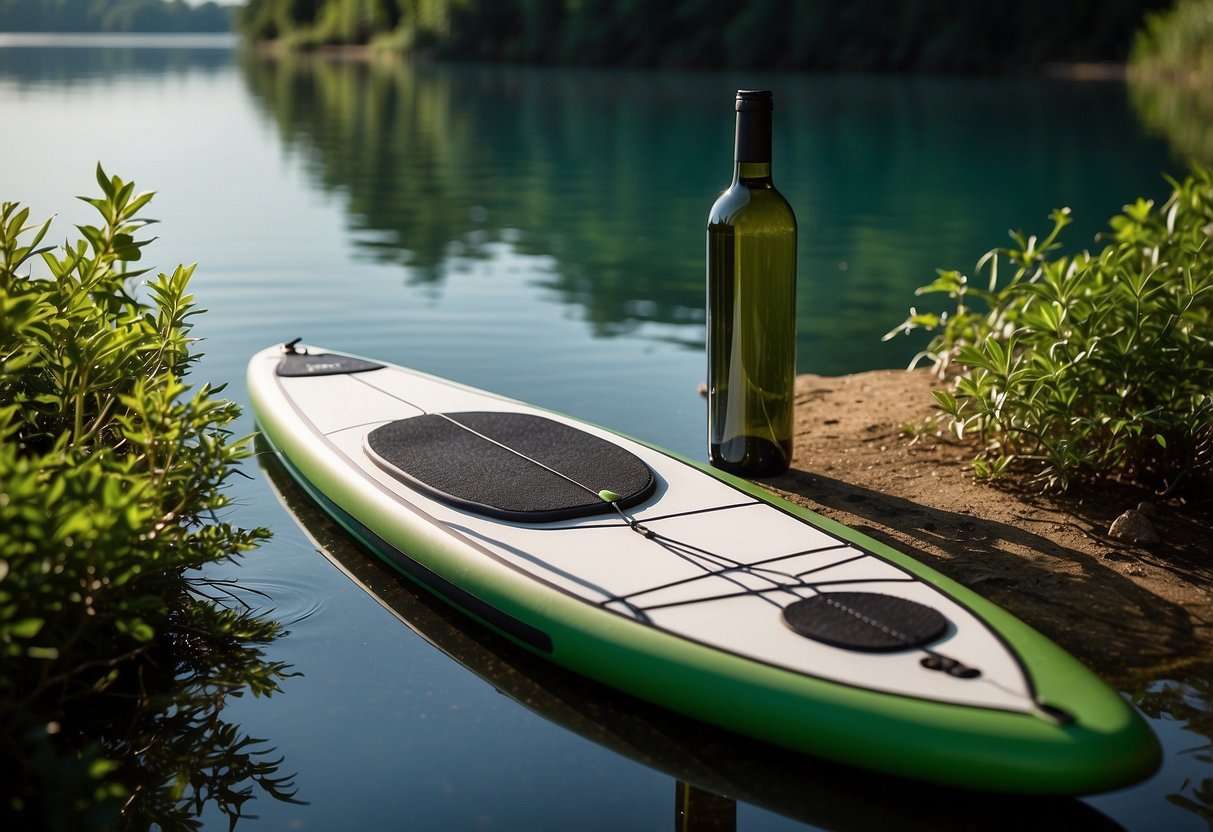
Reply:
x=752, y=148
x=752, y=173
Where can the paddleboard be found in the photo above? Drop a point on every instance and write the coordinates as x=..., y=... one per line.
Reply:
x=687, y=587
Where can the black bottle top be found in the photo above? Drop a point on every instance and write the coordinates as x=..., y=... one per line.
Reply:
x=753, y=142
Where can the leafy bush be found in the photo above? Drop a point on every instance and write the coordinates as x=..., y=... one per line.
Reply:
x=111, y=481
x=1088, y=366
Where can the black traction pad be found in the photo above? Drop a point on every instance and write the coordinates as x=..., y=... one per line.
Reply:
x=296, y=364
x=505, y=464
x=869, y=622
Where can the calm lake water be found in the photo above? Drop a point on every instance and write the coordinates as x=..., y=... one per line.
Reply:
x=540, y=233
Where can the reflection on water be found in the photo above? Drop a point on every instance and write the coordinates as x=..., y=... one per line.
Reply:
x=26, y=57
x=610, y=174
x=1190, y=704
x=713, y=769
x=440, y=166
x=181, y=753
x=152, y=746
x=1183, y=115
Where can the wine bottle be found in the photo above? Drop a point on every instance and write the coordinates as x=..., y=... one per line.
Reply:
x=751, y=307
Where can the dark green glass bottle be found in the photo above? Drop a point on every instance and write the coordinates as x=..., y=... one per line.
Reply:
x=751, y=307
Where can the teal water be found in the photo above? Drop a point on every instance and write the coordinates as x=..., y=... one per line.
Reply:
x=540, y=233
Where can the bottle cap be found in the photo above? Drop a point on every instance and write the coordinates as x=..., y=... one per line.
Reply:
x=754, y=101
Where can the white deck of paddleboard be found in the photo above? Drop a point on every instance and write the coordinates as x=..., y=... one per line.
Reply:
x=753, y=544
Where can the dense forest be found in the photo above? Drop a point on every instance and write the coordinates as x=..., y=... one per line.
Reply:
x=923, y=35
x=112, y=16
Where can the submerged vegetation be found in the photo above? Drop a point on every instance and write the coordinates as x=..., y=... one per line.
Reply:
x=1092, y=365
x=116, y=656
x=926, y=35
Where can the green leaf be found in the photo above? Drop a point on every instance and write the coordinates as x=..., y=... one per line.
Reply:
x=104, y=181
x=101, y=768
x=947, y=403
x=950, y=281
x=23, y=628
x=974, y=357
x=142, y=631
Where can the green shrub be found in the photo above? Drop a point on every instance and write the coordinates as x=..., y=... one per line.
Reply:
x=112, y=477
x=1092, y=365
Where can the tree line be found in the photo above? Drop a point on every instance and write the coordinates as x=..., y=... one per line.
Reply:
x=112, y=16
x=860, y=35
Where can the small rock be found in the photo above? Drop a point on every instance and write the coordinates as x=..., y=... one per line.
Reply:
x=1133, y=527
x=1148, y=509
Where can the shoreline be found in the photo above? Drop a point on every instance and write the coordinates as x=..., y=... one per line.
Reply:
x=1088, y=71
x=1133, y=613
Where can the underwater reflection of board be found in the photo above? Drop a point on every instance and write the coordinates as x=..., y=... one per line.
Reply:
x=692, y=589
